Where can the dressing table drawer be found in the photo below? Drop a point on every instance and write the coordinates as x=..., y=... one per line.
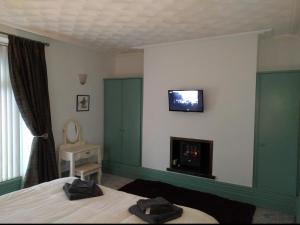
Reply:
x=86, y=154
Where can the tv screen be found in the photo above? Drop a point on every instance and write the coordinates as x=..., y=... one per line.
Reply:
x=186, y=101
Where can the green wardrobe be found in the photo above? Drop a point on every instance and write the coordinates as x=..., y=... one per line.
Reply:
x=277, y=133
x=122, y=120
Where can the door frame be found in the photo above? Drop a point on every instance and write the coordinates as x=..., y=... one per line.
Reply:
x=257, y=119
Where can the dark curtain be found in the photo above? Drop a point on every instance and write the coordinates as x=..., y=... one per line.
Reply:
x=28, y=74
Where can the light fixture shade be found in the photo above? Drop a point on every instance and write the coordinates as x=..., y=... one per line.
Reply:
x=82, y=78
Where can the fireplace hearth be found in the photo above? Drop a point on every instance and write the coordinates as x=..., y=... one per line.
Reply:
x=191, y=156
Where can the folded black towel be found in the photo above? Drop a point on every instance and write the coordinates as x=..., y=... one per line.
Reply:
x=76, y=196
x=159, y=209
x=83, y=187
x=156, y=210
x=155, y=206
x=175, y=213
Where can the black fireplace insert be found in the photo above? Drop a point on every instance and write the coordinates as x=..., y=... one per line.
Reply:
x=191, y=156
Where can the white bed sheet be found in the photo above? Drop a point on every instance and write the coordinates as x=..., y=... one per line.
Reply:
x=47, y=203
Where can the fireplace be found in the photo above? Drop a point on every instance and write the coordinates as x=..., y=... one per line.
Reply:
x=191, y=156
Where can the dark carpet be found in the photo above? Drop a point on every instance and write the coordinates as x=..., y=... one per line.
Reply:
x=224, y=210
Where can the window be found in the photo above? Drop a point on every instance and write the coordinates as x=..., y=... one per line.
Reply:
x=15, y=138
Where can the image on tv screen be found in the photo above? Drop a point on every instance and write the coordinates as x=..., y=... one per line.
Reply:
x=189, y=101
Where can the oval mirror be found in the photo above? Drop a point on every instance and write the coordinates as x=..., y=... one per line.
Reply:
x=72, y=132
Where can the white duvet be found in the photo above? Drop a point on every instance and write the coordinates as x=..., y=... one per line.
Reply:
x=47, y=203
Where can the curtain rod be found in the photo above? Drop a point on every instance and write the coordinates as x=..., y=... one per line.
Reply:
x=44, y=43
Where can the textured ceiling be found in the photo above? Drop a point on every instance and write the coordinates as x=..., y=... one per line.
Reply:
x=123, y=24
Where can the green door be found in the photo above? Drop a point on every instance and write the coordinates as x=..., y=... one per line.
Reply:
x=132, y=112
x=277, y=132
x=112, y=120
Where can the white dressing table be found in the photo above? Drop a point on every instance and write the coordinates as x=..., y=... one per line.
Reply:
x=75, y=149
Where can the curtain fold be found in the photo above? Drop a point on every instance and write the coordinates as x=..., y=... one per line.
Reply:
x=28, y=74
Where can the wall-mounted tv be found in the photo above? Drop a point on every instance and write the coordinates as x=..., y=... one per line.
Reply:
x=186, y=100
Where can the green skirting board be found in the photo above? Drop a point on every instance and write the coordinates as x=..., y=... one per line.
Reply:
x=10, y=185
x=249, y=195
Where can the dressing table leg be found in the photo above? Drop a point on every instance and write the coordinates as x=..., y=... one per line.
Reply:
x=59, y=166
x=99, y=175
x=72, y=166
x=82, y=176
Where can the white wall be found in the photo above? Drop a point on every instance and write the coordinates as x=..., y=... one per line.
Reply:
x=64, y=63
x=225, y=68
x=279, y=53
x=128, y=64
x=274, y=53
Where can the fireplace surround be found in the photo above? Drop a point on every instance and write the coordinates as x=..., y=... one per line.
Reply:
x=191, y=156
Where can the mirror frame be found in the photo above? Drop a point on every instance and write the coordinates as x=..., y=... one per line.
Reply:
x=65, y=131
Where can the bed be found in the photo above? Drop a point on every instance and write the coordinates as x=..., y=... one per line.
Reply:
x=47, y=203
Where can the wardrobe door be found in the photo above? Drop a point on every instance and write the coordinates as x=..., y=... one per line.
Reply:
x=113, y=120
x=132, y=113
x=277, y=132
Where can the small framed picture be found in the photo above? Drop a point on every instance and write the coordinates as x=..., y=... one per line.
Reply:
x=83, y=103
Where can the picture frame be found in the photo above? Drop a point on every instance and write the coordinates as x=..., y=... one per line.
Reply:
x=82, y=103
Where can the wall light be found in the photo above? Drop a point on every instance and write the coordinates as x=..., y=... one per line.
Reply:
x=82, y=78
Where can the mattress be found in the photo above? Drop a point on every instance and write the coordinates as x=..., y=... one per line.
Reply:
x=47, y=203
